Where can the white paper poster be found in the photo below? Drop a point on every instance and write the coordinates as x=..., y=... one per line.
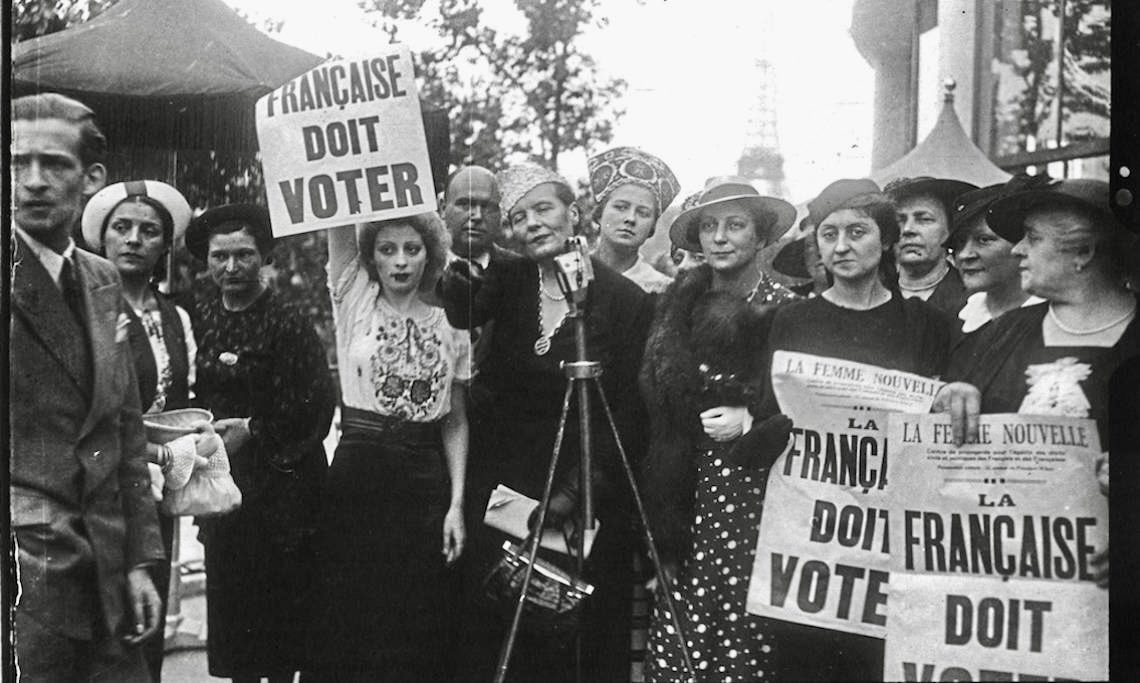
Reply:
x=344, y=143
x=991, y=549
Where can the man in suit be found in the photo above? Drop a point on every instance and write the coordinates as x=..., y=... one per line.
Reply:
x=84, y=521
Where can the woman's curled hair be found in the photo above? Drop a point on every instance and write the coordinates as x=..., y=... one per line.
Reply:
x=429, y=226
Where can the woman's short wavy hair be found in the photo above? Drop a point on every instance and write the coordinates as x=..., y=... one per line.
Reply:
x=429, y=226
x=881, y=209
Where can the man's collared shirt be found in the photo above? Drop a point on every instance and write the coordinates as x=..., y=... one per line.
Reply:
x=51, y=261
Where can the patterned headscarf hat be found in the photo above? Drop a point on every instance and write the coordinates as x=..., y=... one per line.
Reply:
x=516, y=181
x=620, y=165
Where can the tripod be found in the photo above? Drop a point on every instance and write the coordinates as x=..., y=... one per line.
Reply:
x=574, y=274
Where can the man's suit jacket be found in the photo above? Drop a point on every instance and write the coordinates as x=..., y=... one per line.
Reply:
x=82, y=511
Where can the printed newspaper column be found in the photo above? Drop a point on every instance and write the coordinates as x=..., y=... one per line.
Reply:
x=991, y=575
x=344, y=143
x=822, y=556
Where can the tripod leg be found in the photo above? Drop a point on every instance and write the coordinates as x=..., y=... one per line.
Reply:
x=662, y=580
x=532, y=542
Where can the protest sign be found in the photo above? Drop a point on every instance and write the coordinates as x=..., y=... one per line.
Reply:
x=344, y=143
x=991, y=575
x=821, y=558
x=804, y=383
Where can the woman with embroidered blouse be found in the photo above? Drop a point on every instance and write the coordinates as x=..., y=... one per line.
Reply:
x=392, y=518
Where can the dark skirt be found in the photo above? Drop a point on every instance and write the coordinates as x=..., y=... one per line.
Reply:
x=382, y=574
x=259, y=593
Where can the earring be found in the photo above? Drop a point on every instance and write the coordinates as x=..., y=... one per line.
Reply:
x=1080, y=267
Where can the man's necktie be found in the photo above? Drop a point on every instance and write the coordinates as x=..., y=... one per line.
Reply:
x=73, y=292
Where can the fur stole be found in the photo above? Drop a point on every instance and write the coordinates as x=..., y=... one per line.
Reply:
x=705, y=349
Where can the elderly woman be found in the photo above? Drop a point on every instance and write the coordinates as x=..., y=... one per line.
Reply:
x=1054, y=358
x=513, y=435
x=861, y=317
x=705, y=470
x=392, y=516
x=631, y=188
x=135, y=224
x=990, y=272
x=263, y=374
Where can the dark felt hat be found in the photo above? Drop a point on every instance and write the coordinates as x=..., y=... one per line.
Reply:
x=1007, y=216
x=945, y=190
x=254, y=218
x=836, y=195
x=781, y=215
x=969, y=206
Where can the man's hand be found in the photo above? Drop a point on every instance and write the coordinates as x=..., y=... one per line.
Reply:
x=725, y=423
x=964, y=402
x=146, y=606
x=234, y=433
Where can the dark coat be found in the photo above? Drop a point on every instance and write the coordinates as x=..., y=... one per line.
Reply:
x=693, y=327
x=82, y=511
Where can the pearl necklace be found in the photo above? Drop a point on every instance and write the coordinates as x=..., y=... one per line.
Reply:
x=1068, y=330
x=542, y=344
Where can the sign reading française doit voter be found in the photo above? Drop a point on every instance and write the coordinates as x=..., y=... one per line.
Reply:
x=344, y=143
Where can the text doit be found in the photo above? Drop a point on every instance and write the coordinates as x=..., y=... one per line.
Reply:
x=386, y=187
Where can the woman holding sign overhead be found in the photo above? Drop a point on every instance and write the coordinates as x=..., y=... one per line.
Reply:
x=860, y=318
x=392, y=518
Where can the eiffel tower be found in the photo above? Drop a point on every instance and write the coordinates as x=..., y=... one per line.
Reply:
x=761, y=160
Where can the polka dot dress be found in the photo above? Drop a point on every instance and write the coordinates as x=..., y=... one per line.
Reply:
x=725, y=642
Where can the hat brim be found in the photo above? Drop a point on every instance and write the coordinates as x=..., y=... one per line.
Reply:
x=789, y=258
x=256, y=217
x=945, y=190
x=1006, y=216
x=100, y=206
x=683, y=231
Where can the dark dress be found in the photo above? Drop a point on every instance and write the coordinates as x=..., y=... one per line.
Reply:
x=999, y=356
x=264, y=362
x=704, y=504
x=950, y=294
x=513, y=426
x=177, y=396
x=901, y=334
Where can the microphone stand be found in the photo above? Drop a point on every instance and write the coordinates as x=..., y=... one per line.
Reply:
x=575, y=272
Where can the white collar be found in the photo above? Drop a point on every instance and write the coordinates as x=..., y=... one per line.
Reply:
x=49, y=258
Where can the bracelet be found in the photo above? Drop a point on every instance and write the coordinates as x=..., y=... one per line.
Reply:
x=166, y=457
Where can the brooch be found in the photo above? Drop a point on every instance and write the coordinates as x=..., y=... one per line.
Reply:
x=228, y=358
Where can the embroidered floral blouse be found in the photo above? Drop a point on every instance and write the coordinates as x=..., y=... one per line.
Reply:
x=389, y=363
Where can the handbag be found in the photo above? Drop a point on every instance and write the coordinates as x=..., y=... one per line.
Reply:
x=210, y=491
x=554, y=597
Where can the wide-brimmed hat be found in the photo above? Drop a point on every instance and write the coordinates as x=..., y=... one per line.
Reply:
x=254, y=218
x=100, y=206
x=781, y=215
x=975, y=203
x=945, y=190
x=1007, y=216
x=628, y=165
x=516, y=181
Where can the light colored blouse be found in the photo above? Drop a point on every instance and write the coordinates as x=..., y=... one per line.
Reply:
x=975, y=313
x=152, y=324
x=647, y=277
x=389, y=363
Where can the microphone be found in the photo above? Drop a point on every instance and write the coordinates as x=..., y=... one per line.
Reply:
x=574, y=270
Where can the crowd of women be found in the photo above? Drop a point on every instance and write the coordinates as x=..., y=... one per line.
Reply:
x=1021, y=296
